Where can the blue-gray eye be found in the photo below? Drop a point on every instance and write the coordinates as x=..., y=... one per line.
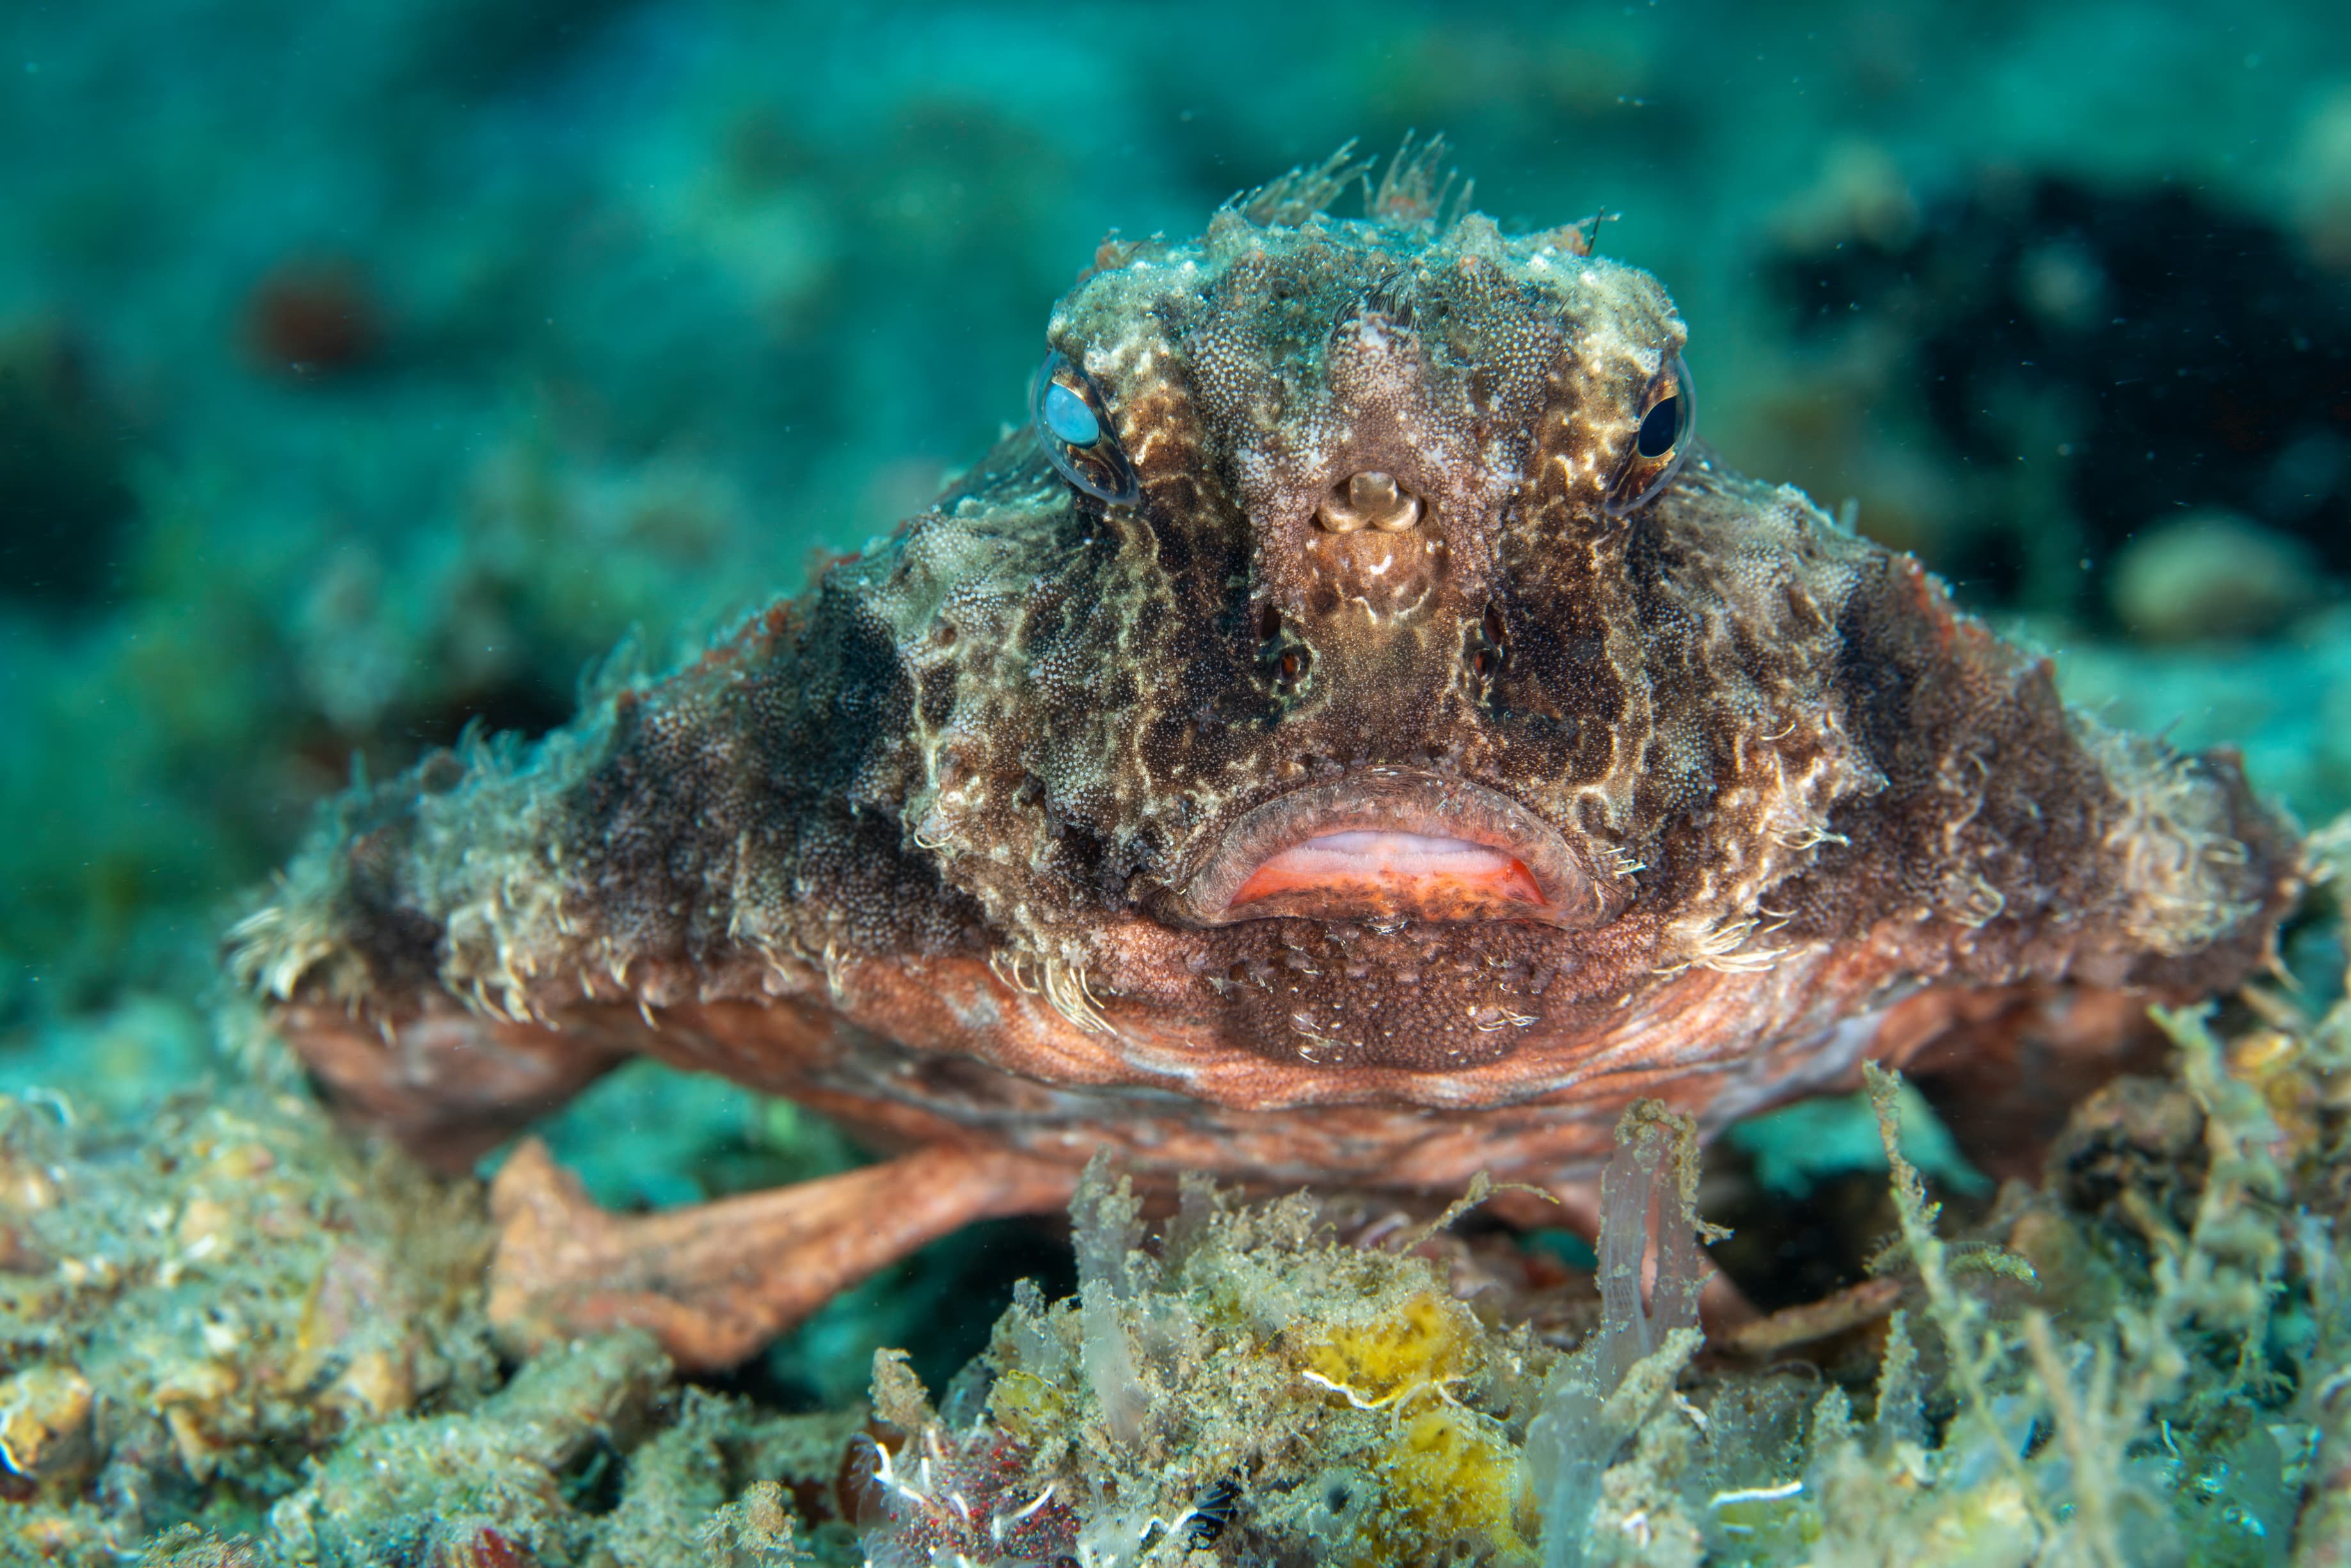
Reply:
x=1067, y=410
x=1067, y=416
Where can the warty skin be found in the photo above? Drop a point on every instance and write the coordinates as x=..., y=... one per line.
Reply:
x=972, y=846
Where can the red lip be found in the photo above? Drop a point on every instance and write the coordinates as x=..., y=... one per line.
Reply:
x=1394, y=845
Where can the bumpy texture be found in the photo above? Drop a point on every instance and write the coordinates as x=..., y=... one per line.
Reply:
x=978, y=840
x=211, y=1297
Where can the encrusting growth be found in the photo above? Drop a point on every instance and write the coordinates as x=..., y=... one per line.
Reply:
x=1256, y=1382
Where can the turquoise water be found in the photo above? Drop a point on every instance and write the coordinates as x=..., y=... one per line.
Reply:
x=370, y=370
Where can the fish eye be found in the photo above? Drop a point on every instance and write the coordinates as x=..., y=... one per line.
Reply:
x=1661, y=428
x=1661, y=443
x=1068, y=417
x=1073, y=428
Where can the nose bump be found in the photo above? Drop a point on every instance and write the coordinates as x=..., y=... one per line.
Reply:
x=1370, y=499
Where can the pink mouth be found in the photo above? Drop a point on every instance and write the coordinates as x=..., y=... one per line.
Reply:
x=1370, y=865
x=1397, y=846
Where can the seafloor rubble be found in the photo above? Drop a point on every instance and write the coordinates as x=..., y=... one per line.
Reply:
x=232, y=1337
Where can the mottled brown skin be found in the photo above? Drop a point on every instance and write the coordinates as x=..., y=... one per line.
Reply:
x=936, y=847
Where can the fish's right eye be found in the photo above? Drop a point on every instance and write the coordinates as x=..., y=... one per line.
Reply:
x=1074, y=428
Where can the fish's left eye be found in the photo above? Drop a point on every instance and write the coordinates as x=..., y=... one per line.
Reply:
x=1661, y=429
x=1073, y=428
x=1661, y=441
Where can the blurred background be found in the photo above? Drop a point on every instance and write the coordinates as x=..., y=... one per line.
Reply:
x=368, y=368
